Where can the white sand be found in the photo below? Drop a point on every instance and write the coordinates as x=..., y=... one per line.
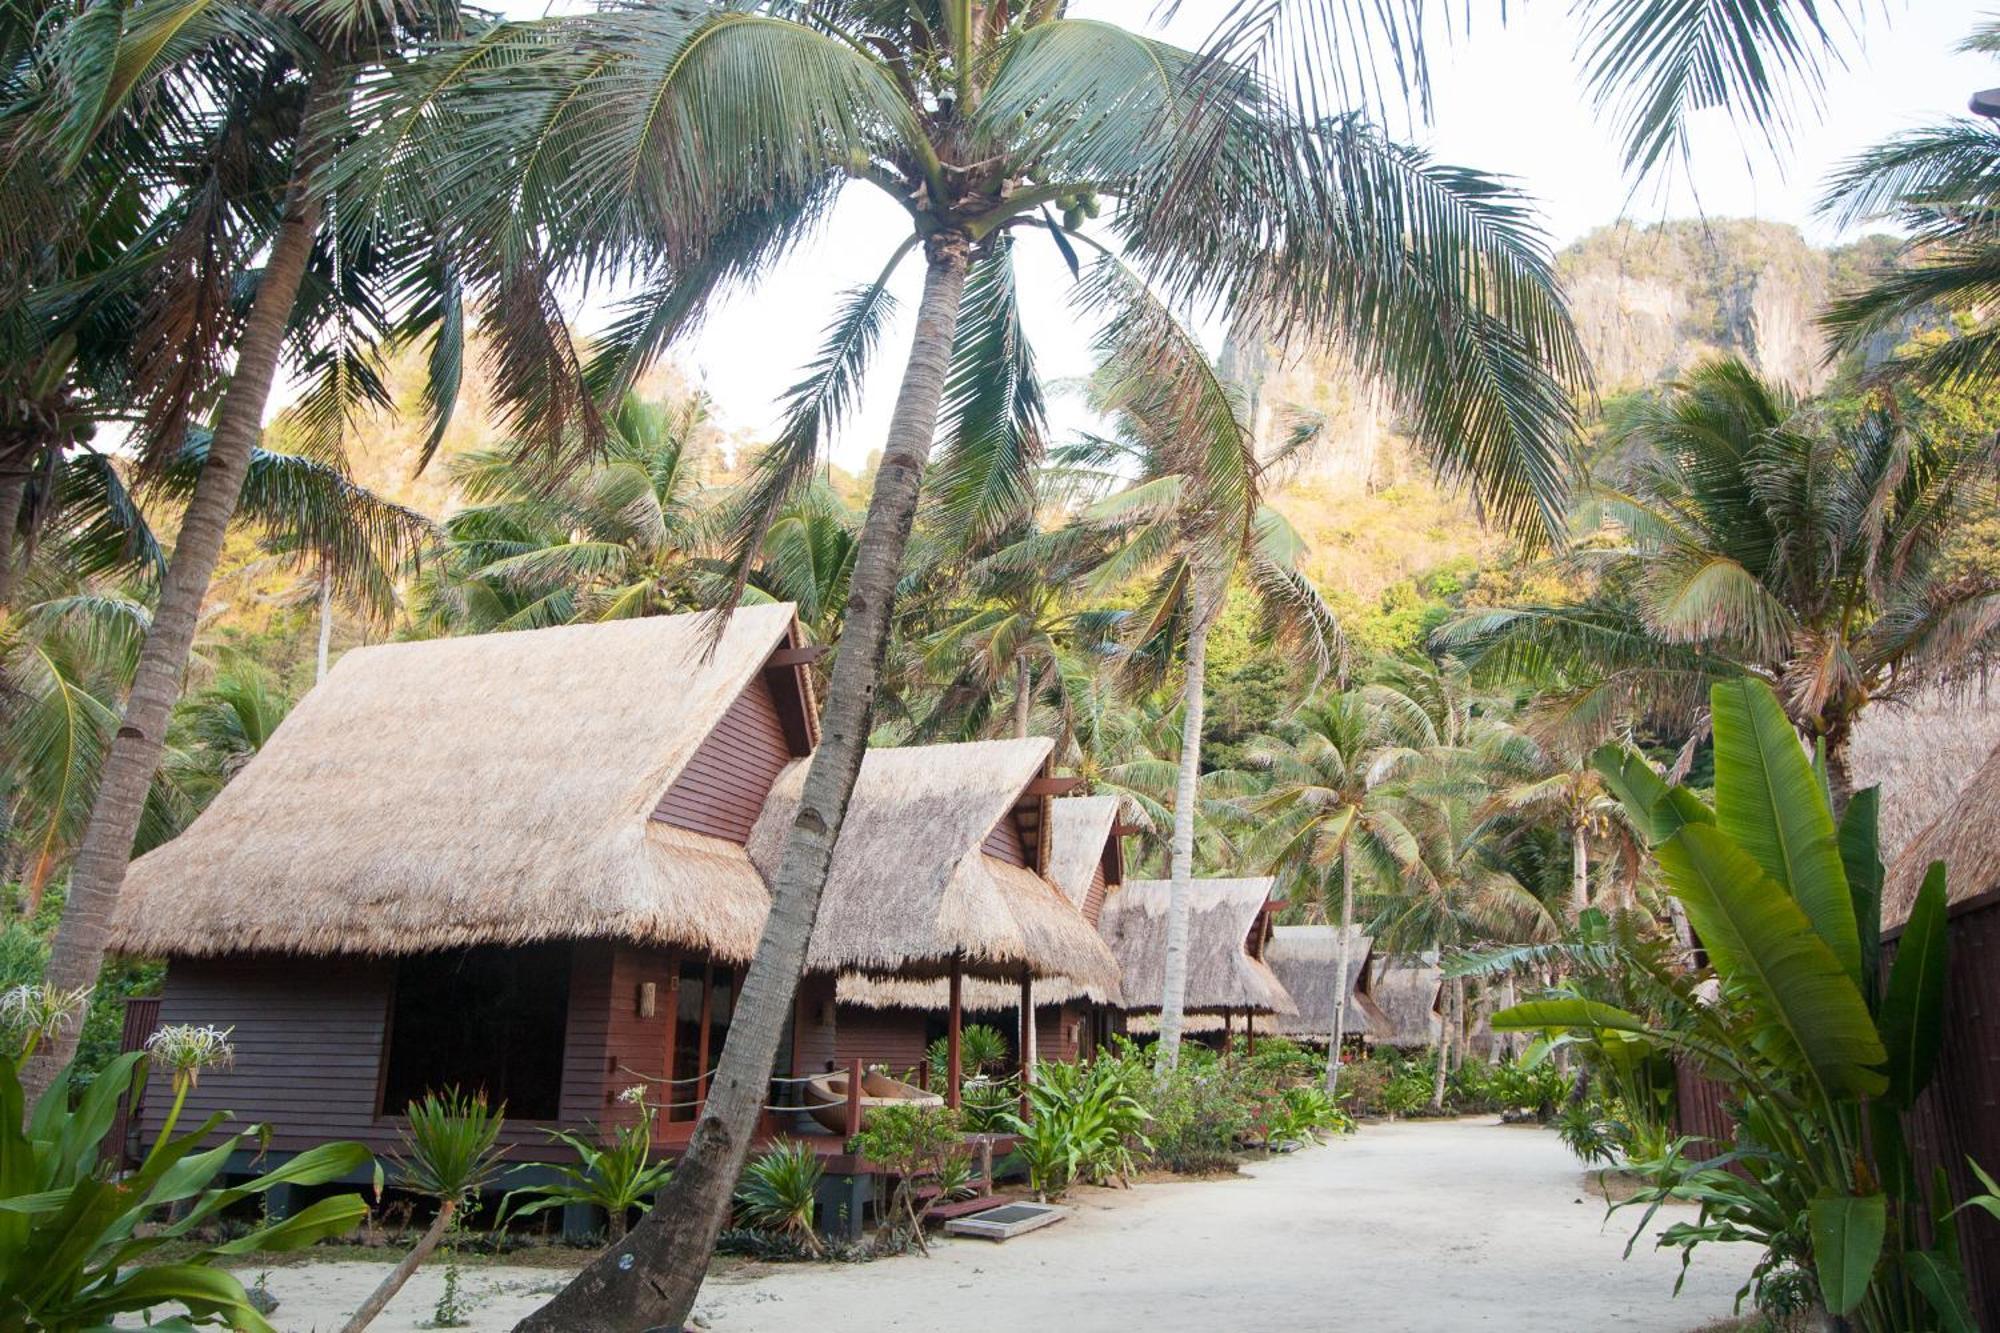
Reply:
x=1423, y=1226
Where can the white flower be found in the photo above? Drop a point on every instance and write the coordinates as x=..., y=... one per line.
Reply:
x=38, y=1012
x=634, y=1095
x=188, y=1049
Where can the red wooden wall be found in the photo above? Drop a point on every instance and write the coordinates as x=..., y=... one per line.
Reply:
x=724, y=786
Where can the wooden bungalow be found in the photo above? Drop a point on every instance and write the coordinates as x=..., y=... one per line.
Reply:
x=891, y=1022
x=939, y=877
x=1229, y=925
x=517, y=862
x=1306, y=960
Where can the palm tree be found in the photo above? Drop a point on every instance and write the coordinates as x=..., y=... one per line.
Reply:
x=257, y=97
x=1325, y=811
x=1191, y=522
x=689, y=147
x=1752, y=536
x=620, y=538
x=1018, y=623
x=1938, y=184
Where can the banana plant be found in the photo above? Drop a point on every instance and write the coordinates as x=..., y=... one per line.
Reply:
x=1822, y=1054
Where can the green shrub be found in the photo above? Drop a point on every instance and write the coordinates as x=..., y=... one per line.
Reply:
x=1085, y=1122
x=916, y=1145
x=1200, y=1115
x=987, y=1104
x=79, y=1245
x=1362, y=1084
x=1300, y=1114
x=780, y=1193
x=981, y=1050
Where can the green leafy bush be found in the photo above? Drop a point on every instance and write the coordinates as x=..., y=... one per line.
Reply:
x=981, y=1050
x=1362, y=1084
x=987, y=1104
x=1201, y=1114
x=780, y=1193
x=79, y=1246
x=915, y=1144
x=1085, y=1121
x=1301, y=1114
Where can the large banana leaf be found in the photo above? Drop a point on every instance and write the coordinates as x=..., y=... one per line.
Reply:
x=1760, y=940
x=1538, y=1015
x=1847, y=1233
x=1656, y=808
x=1861, y=856
x=1769, y=803
x=1913, y=1004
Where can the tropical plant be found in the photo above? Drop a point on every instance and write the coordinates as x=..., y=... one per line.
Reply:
x=982, y=1049
x=82, y=1243
x=614, y=1177
x=1084, y=1121
x=451, y=1152
x=780, y=1193
x=247, y=103
x=1937, y=183
x=1300, y=1114
x=980, y=123
x=1821, y=1057
x=1756, y=537
x=916, y=1145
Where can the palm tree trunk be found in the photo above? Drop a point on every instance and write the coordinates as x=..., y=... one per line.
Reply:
x=1839, y=776
x=12, y=492
x=1443, y=1055
x=403, y=1271
x=1339, y=1028
x=325, y=624
x=1023, y=700
x=1579, y=871
x=77, y=954
x=1174, y=991
x=651, y=1279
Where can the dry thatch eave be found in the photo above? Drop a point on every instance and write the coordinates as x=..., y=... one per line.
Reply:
x=1306, y=960
x=1922, y=752
x=1079, y=829
x=1965, y=835
x=1405, y=989
x=494, y=789
x=910, y=887
x=1221, y=974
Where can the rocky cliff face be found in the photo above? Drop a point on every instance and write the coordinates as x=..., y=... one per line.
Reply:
x=1649, y=303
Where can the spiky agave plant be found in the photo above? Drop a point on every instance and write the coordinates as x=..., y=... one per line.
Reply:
x=451, y=1151
x=780, y=1192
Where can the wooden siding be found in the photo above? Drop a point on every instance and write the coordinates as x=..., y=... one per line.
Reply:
x=1093, y=897
x=725, y=784
x=893, y=1038
x=308, y=1037
x=1004, y=842
x=1958, y=1115
x=815, y=1035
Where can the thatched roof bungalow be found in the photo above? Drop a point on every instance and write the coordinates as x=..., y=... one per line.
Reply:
x=1228, y=923
x=889, y=1020
x=515, y=861
x=1306, y=959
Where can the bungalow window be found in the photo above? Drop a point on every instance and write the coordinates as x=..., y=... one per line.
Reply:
x=486, y=1019
x=706, y=1001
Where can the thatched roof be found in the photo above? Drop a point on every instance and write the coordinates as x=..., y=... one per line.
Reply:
x=1306, y=960
x=1921, y=752
x=910, y=885
x=1221, y=973
x=1405, y=989
x=1965, y=835
x=490, y=789
x=1079, y=828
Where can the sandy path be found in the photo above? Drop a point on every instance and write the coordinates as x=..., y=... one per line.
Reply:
x=1408, y=1227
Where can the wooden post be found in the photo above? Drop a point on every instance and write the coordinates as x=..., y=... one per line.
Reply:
x=952, y=1067
x=701, y=1049
x=1250, y=1028
x=1226, y=1015
x=1027, y=1039
x=853, y=1098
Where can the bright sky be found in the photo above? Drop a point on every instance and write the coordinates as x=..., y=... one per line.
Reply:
x=1508, y=99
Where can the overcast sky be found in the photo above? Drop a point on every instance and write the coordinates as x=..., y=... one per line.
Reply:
x=1508, y=100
